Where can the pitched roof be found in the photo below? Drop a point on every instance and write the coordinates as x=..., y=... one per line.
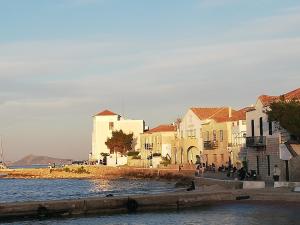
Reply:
x=267, y=100
x=240, y=114
x=163, y=128
x=219, y=114
x=106, y=113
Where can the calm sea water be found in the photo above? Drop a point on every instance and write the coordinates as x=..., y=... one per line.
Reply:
x=234, y=214
x=13, y=190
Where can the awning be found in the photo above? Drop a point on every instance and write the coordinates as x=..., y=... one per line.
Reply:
x=284, y=153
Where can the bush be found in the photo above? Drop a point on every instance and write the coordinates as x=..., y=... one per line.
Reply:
x=80, y=170
x=165, y=161
x=156, y=154
x=67, y=169
x=136, y=157
x=133, y=153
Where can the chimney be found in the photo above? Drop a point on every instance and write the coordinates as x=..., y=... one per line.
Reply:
x=229, y=112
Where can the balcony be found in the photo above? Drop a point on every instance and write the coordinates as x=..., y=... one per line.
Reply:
x=148, y=146
x=257, y=141
x=208, y=145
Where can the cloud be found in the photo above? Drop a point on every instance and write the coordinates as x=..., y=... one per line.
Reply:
x=216, y=3
x=285, y=23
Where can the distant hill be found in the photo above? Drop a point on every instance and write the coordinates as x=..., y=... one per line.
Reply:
x=39, y=160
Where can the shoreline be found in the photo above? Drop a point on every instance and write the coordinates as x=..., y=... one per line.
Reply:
x=95, y=172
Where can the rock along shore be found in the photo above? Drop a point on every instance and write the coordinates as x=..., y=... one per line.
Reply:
x=95, y=172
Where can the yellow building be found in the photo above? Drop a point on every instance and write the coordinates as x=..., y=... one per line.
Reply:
x=206, y=135
x=157, y=144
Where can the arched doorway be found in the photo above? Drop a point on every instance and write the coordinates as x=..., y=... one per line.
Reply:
x=193, y=155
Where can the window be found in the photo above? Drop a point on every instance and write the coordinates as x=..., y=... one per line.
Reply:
x=261, y=132
x=269, y=169
x=221, y=135
x=207, y=135
x=111, y=125
x=244, y=122
x=214, y=135
x=257, y=164
x=270, y=128
x=238, y=123
x=252, y=128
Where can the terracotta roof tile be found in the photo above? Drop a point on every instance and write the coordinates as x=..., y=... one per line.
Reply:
x=106, y=113
x=240, y=114
x=220, y=114
x=267, y=100
x=163, y=128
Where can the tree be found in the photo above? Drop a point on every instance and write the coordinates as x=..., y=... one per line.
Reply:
x=287, y=113
x=119, y=142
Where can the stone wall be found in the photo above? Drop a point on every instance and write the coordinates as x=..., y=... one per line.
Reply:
x=271, y=151
x=294, y=166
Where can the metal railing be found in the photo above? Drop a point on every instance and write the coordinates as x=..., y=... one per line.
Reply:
x=210, y=145
x=256, y=141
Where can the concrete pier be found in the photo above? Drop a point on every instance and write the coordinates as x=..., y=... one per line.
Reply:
x=138, y=203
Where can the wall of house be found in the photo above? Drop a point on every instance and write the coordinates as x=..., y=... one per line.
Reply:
x=100, y=134
x=102, y=131
x=116, y=160
x=294, y=168
x=189, y=139
x=131, y=126
x=239, y=130
x=220, y=155
x=271, y=151
x=255, y=115
x=161, y=142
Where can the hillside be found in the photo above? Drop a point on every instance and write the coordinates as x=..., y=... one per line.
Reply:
x=40, y=160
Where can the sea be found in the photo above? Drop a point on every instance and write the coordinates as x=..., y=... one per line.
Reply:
x=244, y=213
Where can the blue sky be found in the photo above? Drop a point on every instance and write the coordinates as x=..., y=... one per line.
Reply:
x=61, y=61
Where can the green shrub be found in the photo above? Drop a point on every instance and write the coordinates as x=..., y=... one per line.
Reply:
x=67, y=169
x=80, y=170
x=136, y=157
x=156, y=154
x=133, y=153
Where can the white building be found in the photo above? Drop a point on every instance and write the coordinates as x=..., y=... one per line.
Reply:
x=103, y=124
x=266, y=141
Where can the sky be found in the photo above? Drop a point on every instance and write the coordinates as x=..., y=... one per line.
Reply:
x=62, y=61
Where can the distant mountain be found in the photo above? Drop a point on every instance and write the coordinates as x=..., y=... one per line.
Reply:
x=39, y=160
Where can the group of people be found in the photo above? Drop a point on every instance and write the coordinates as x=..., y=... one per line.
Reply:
x=232, y=171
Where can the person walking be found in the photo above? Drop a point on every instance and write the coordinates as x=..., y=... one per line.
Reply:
x=276, y=173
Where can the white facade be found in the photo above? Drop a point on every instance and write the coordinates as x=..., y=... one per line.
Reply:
x=190, y=126
x=254, y=115
x=238, y=133
x=104, y=124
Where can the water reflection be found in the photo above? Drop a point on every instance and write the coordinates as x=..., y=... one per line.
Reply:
x=230, y=214
x=12, y=190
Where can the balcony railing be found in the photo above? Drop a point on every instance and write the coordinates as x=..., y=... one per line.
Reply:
x=210, y=145
x=257, y=141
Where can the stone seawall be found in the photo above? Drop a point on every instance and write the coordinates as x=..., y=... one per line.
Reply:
x=139, y=203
